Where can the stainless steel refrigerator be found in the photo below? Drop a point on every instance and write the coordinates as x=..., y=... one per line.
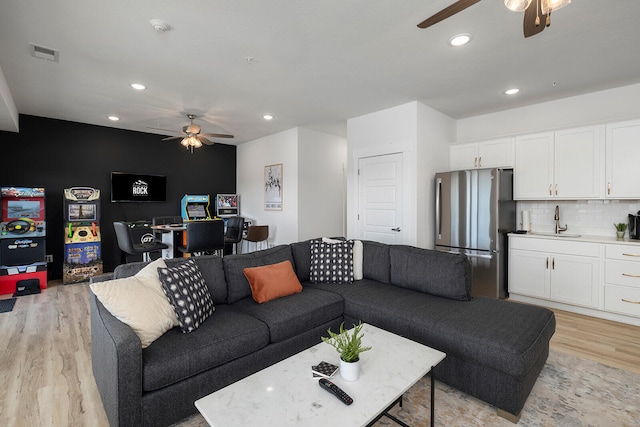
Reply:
x=474, y=212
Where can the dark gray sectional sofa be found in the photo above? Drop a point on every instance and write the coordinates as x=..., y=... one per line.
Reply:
x=495, y=349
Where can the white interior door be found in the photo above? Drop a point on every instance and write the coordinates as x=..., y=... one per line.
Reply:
x=380, y=194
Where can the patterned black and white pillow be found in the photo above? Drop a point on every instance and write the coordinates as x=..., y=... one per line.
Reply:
x=189, y=296
x=331, y=262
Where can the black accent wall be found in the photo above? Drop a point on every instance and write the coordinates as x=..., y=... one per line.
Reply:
x=57, y=154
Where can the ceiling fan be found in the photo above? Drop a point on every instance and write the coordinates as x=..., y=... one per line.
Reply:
x=193, y=138
x=537, y=13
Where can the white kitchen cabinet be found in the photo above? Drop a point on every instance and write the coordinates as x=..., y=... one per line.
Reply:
x=486, y=154
x=565, y=164
x=622, y=280
x=623, y=154
x=562, y=271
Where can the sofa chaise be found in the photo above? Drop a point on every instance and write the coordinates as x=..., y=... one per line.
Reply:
x=495, y=349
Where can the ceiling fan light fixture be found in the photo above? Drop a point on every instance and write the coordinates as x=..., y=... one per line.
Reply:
x=517, y=5
x=548, y=6
x=460, y=39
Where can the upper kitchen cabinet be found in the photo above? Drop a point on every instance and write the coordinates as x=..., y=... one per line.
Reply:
x=623, y=154
x=486, y=154
x=565, y=164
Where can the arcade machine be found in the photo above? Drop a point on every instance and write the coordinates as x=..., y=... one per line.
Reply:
x=82, y=254
x=227, y=205
x=22, y=238
x=195, y=207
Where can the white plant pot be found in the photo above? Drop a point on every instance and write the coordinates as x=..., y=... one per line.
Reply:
x=349, y=371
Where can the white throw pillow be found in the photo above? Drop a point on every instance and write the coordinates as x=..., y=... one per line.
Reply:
x=140, y=302
x=357, y=257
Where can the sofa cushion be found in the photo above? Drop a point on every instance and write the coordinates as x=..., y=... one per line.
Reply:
x=237, y=284
x=331, y=262
x=210, y=267
x=291, y=315
x=273, y=281
x=186, y=291
x=139, y=302
x=432, y=272
x=375, y=261
x=301, y=252
x=503, y=335
x=226, y=336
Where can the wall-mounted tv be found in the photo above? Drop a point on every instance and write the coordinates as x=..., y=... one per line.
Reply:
x=136, y=187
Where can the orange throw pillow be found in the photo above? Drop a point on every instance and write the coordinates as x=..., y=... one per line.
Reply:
x=272, y=281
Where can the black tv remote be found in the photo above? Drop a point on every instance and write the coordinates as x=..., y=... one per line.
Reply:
x=337, y=391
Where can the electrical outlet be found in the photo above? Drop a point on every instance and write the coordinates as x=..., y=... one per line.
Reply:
x=49, y=258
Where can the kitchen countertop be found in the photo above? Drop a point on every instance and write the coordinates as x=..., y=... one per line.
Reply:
x=581, y=238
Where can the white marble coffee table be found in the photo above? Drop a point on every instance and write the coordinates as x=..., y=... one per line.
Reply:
x=286, y=394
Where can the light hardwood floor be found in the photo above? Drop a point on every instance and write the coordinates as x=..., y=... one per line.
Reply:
x=45, y=356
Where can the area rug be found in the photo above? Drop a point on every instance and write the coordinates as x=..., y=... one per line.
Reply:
x=6, y=305
x=570, y=392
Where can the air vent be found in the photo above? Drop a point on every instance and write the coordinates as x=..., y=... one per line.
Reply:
x=44, y=52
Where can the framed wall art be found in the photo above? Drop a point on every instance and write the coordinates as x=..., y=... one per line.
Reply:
x=273, y=187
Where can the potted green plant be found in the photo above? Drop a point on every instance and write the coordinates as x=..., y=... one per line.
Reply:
x=349, y=346
x=621, y=227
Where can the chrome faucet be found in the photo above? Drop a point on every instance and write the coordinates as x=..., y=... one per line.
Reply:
x=557, y=218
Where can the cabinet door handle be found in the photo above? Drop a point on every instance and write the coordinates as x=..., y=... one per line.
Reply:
x=475, y=162
x=631, y=275
x=480, y=161
x=550, y=192
x=553, y=263
x=608, y=188
x=556, y=189
x=636, y=255
x=547, y=263
x=629, y=301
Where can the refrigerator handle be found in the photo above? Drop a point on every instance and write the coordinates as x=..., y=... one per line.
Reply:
x=439, y=208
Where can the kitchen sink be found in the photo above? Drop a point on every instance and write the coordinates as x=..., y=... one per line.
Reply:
x=541, y=233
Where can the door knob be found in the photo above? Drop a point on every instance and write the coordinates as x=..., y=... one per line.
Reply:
x=396, y=229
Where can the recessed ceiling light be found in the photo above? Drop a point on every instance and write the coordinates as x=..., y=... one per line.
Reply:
x=511, y=91
x=460, y=39
x=138, y=86
x=267, y=117
x=113, y=118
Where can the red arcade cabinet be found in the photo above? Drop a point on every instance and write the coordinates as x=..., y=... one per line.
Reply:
x=22, y=237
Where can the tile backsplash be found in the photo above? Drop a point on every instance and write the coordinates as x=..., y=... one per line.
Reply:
x=590, y=217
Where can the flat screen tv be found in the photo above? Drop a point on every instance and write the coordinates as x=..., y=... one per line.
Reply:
x=135, y=187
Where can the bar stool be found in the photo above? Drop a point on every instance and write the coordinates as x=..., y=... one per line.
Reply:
x=257, y=234
x=128, y=247
x=204, y=236
x=233, y=234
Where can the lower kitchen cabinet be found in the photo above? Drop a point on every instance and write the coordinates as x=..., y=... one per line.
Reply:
x=592, y=276
x=546, y=268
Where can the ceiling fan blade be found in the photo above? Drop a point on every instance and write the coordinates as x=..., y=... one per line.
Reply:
x=173, y=137
x=205, y=140
x=529, y=26
x=445, y=13
x=216, y=135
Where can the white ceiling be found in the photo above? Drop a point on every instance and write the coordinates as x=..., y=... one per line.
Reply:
x=315, y=63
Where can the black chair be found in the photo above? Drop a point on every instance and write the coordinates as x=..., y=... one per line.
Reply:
x=204, y=237
x=233, y=234
x=129, y=247
x=257, y=234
